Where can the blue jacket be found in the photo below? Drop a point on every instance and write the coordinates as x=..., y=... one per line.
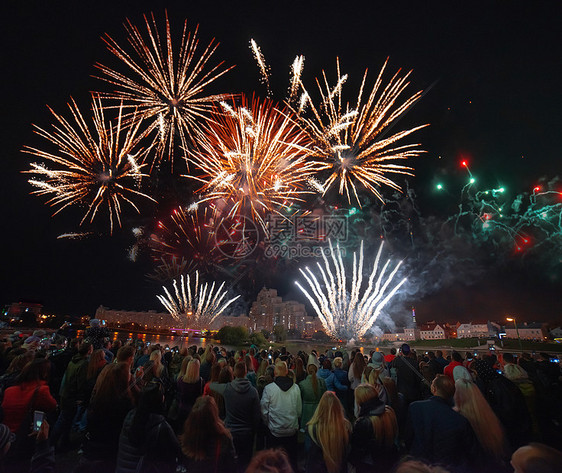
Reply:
x=332, y=382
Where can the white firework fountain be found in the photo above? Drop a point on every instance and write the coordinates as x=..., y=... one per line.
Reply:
x=348, y=313
x=195, y=305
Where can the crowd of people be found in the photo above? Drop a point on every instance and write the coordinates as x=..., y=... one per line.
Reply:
x=135, y=407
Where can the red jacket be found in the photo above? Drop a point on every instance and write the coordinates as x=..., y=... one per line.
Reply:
x=450, y=367
x=17, y=401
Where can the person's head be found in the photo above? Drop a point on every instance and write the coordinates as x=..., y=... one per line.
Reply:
x=151, y=401
x=431, y=355
x=281, y=368
x=536, y=458
x=383, y=418
x=358, y=365
x=226, y=375
x=439, y=353
x=365, y=392
x=377, y=360
x=338, y=362
x=393, y=351
x=270, y=461
x=327, y=364
x=19, y=361
x=97, y=361
x=126, y=354
x=508, y=358
x=405, y=349
x=112, y=384
x=86, y=349
x=202, y=427
x=192, y=372
x=443, y=386
x=471, y=404
x=95, y=323
x=36, y=370
x=457, y=357
x=330, y=429
x=240, y=369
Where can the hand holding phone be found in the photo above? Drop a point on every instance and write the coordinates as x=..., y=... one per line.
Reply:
x=38, y=418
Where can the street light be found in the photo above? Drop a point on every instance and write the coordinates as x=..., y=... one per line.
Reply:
x=512, y=319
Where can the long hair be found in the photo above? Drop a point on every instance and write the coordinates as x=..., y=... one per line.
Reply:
x=192, y=372
x=312, y=370
x=358, y=365
x=183, y=367
x=262, y=367
x=202, y=427
x=112, y=384
x=471, y=404
x=385, y=426
x=97, y=360
x=19, y=361
x=157, y=366
x=330, y=430
x=36, y=370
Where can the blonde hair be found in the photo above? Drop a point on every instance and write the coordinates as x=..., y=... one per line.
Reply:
x=385, y=426
x=157, y=367
x=281, y=368
x=471, y=404
x=338, y=362
x=192, y=372
x=330, y=430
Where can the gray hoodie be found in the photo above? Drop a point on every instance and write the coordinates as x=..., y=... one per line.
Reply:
x=242, y=405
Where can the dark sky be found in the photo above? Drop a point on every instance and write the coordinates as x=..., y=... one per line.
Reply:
x=496, y=98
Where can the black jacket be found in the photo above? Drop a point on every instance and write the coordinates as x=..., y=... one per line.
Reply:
x=157, y=453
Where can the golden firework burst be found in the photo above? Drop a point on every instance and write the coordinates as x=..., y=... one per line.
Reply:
x=100, y=170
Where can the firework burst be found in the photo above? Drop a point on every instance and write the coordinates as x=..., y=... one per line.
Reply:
x=98, y=170
x=167, y=89
x=194, y=304
x=255, y=161
x=348, y=313
x=189, y=235
x=356, y=140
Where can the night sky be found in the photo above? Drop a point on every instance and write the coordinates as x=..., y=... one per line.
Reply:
x=494, y=76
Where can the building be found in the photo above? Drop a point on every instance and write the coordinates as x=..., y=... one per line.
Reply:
x=527, y=331
x=478, y=329
x=411, y=334
x=145, y=320
x=152, y=320
x=269, y=310
x=556, y=333
x=433, y=331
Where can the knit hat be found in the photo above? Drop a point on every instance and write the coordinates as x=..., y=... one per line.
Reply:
x=377, y=360
x=405, y=348
x=32, y=339
x=5, y=436
x=460, y=372
x=94, y=322
x=312, y=361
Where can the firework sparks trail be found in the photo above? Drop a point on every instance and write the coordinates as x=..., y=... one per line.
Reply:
x=349, y=312
x=354, y=141
x=264, y=68
x=189, y=234
x=527, y=224
x=197, y=305
x=167, y=89
x=96, y=170
x=255, y=161
x=169, y=269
